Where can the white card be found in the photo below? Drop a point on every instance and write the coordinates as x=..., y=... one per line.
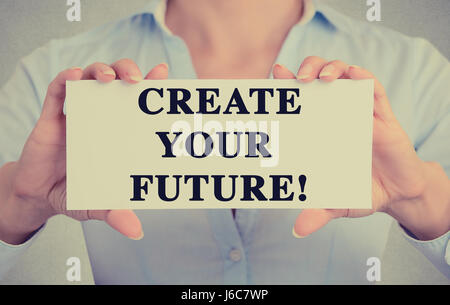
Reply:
x=164, y=144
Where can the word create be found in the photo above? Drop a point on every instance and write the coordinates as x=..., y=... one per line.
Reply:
x=180, y=101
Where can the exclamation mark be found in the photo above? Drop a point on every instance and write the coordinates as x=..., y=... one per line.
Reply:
x=302, y=181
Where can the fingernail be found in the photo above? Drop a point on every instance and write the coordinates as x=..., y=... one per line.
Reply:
x=327, y=71
x=355, y=67
x=76, y=68
x=277, y=66
x=139, y=237
x=164, y=64
x=108, y=71
x=295, y=234
x=305, y=72
x=135, y=78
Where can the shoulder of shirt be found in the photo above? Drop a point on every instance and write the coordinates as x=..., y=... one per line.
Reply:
x=48, y=55
x=111, y=29
x=373, y=35
x=345, y=25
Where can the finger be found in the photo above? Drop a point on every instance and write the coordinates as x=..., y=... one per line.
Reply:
x=127, y=70
x=355, y=72
x=382, y=108
x=311, y=220
x=160, y=71
x=333, y=70
x=310, y=68
x=99, y=71
x=56, y=93
x=124, y=221
x=281, y=72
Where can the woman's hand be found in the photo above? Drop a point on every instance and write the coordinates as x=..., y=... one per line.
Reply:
x=34, y=187
x=414, y=192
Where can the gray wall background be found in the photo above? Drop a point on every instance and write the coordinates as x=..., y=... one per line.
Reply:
x=27, y=24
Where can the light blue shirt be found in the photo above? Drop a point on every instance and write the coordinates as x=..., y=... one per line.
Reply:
x=257, y=247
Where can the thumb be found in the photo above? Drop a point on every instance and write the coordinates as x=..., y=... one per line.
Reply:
x=382, y=107
x=309, y=221
x=124, y=221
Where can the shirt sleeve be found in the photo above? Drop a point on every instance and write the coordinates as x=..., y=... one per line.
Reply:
x=436, y=250
x=430, y=85
x=431, y=90
x=10, y=254
x=21, y=100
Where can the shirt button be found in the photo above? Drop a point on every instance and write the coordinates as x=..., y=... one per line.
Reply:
x=235, y=255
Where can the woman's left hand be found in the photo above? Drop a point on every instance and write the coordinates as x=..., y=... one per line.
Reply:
x=414, y=192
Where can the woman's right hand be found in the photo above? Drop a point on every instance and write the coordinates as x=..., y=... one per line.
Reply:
x=33, y=189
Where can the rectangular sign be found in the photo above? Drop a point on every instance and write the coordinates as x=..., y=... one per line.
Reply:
x=164, y=144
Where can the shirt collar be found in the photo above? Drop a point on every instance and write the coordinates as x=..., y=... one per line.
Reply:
x=328, y=16
x=313, y=10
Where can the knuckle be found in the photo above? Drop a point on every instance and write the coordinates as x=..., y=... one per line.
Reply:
x=88, y=215
x=125, y=61
x=52, y=89
x=337, y=63
x=380, y=92
x=80, y=215
x=20, y=190
x=97, y=66
x=61, y=75
x=57, y=197
x=436, y=165
x=311, y=59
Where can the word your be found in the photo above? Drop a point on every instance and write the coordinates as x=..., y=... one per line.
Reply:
x=254, y=145
x=374, y=272
x=73, y=274
x=373, y=13
x=218, y=132
x=74, y=12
